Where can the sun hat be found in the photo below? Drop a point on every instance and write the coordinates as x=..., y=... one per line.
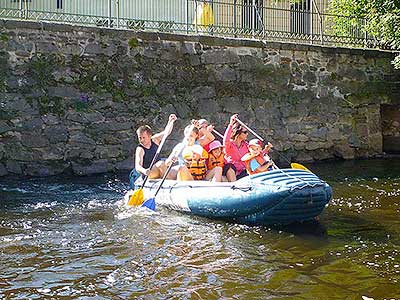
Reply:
x=202, y=122
x=215, y=145
x=187, y=152
x=255, y=142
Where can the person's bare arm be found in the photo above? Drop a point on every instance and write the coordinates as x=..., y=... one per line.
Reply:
x=207, y=136
x=139, y=154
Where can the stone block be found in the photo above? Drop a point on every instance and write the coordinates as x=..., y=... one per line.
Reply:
x=32, y=125
x=50, y=119
x=3, y=170
x=15, y=167
x=107, y=151
x=34, y=141
x=344, y=151
x=64, y=92
x=44, y=169
x=46, y=47
x=219, y=57
x=124, y=165
x=203, y=92
x=225, y=74
x=95, y=167
x=4, y=127
x=56, y=133
x=231, y=104
x=81, y=138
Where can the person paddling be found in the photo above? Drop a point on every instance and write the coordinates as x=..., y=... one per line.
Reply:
x=236, y=146
x=147, y=148
x=258, y=160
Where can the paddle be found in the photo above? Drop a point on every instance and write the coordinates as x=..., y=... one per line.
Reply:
x=292, y=165
x=151, y=203
x=217, y=133
x=137, y=197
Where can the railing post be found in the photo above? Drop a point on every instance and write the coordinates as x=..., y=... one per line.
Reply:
x=253, y=23
x=234, y=17
x=195, y=17
x=109, y=12
x=26, y=9
x=365, y=33
x=21, y=9
x=117, y=2
x=312, y=24
x=187, y=16
x=320, y=22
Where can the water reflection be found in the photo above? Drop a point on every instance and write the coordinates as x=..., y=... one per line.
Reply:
x=73, y=238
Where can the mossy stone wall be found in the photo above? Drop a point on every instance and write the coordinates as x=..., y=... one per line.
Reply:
x=71, y=97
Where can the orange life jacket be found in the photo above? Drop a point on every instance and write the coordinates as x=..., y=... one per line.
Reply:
x=197, y=168
x=213, y=161
x=247, y=158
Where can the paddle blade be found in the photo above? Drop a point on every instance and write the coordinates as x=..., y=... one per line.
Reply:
x=137, y=198
x=150, y=204
x=299, y=166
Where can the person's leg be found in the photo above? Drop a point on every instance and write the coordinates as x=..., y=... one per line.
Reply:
x=231, y=175
x=184, y=174
x=161, y=167
x=215, y=174
x=154, y=172
x=230, y=172
x=173, y=173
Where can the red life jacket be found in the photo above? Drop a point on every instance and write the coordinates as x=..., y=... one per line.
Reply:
x=247, y=158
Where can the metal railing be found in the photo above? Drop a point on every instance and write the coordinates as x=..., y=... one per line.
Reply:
x=306, y=22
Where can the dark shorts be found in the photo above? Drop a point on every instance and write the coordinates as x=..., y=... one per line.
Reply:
x=242, y=174
x=227, y=167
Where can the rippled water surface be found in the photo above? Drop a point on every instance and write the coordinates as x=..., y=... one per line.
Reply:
x=73, y=239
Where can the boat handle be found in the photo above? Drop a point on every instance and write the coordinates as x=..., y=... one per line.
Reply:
x=243, y=189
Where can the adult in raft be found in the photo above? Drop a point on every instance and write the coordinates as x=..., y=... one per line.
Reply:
x=236, y=146
x=147, y=148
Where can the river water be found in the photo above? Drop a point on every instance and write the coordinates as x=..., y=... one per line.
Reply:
x=72, y=238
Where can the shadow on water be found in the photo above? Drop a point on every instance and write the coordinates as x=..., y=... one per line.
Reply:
x=303, y=229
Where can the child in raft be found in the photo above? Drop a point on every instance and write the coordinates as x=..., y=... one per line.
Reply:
x=216, y=158
x=257, y=160
x=195, y=159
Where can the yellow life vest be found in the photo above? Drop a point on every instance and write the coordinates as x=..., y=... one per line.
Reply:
x=197, y=168
x=213, y=161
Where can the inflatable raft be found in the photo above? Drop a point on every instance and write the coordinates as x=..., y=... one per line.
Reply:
x=280, y=196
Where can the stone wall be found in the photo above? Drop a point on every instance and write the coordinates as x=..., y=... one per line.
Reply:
x=390, y=115
x=71, y=97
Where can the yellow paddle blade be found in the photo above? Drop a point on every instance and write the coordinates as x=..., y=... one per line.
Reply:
x=299, y=166
x=137, y=198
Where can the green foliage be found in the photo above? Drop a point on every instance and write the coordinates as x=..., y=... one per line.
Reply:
x=133, y=42
x=3, y=70
x=53, y=105
x=378, y=18
x=4, y=37
x=41, y=68
x=81, y=106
